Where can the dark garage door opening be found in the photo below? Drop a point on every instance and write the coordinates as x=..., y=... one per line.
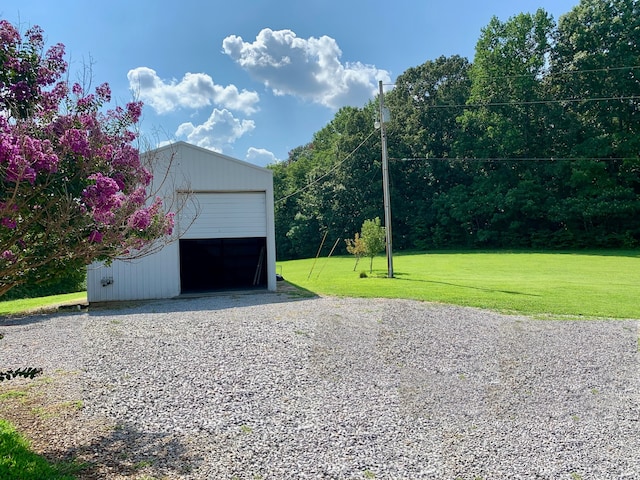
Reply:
x=222, y=264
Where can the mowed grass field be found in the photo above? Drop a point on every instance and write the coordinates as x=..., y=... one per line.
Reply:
x=602, y=284
x=35, y=305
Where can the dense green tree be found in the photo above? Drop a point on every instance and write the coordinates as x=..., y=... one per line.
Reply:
x=424, y=105
x=506, y=118
x=595, y=66
x=505, y=128
x=535, y=144
x=328, y=186
x=289, y=177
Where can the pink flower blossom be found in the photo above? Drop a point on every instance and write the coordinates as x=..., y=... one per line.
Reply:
x=105, y=152
x=8, y=256
x=18, y=170
x=46, y=160
x=51, y=99
x=169, y=223
x=9, y=223
x=76, y=141
x=134, y=109
x=95, y=237
x=104, y=92
x=138, y=196
x=103, y=198
x=140, y=220
x=86, y=103
x=126, y=157
x=34, y=34
x=8, y=34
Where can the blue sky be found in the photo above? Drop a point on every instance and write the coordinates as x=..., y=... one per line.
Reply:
x=254, y=79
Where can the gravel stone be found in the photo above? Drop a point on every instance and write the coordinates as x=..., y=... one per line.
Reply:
x=277, y=387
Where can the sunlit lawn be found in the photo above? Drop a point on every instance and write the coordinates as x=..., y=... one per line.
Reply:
x=27, y=305
x=19, y=462
x=592, y=284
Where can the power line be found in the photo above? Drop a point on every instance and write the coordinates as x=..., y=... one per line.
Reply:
x=547, y=73
x=532, y=102
x=542, y=102
x=332, y=169
x=550, y=73
x=508, y=159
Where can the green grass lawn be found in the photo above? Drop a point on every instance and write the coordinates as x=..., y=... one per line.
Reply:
x=27, y=305
x=18, y=462
x=589, y=284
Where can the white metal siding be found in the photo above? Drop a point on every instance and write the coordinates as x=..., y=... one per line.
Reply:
x=224, y=215
x=153, y=276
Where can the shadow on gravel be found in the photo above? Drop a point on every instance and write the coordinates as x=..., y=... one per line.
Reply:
x=204, y=301
x=207, y=301
x=125, y=451
x=16, y=320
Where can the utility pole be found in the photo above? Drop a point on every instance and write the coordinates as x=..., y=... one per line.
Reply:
x=385, y=185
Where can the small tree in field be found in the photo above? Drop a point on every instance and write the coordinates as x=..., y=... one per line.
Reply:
x=72, y=186
x=373, y=239
x=355, y=247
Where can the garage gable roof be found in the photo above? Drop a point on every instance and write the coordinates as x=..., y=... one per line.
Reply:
x=205, y=170
x=181, y=146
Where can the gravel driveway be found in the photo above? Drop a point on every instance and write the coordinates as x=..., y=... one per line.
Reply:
x=268, y=386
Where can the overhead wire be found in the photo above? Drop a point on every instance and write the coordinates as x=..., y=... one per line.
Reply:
x=328, y=172
x=548, y=73
x=491, y=104
x=509, y=159
x=316, y=180
x=547, y=101
x=532, y=102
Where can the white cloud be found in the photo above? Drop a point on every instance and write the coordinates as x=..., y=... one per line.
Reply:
x=260, y=156
x=307, y=68
x=195, y=90
x=219, y=130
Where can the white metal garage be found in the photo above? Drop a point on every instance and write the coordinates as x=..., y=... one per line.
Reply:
x=224, y=237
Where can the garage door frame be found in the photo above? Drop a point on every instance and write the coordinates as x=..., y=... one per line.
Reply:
x=213, y=215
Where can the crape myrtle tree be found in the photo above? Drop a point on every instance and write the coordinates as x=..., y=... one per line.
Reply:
x=72, y=186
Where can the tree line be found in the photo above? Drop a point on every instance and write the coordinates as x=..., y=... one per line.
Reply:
x=533, y=144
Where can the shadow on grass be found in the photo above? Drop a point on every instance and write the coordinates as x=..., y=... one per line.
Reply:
x=631, y=253
x=398, y=276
